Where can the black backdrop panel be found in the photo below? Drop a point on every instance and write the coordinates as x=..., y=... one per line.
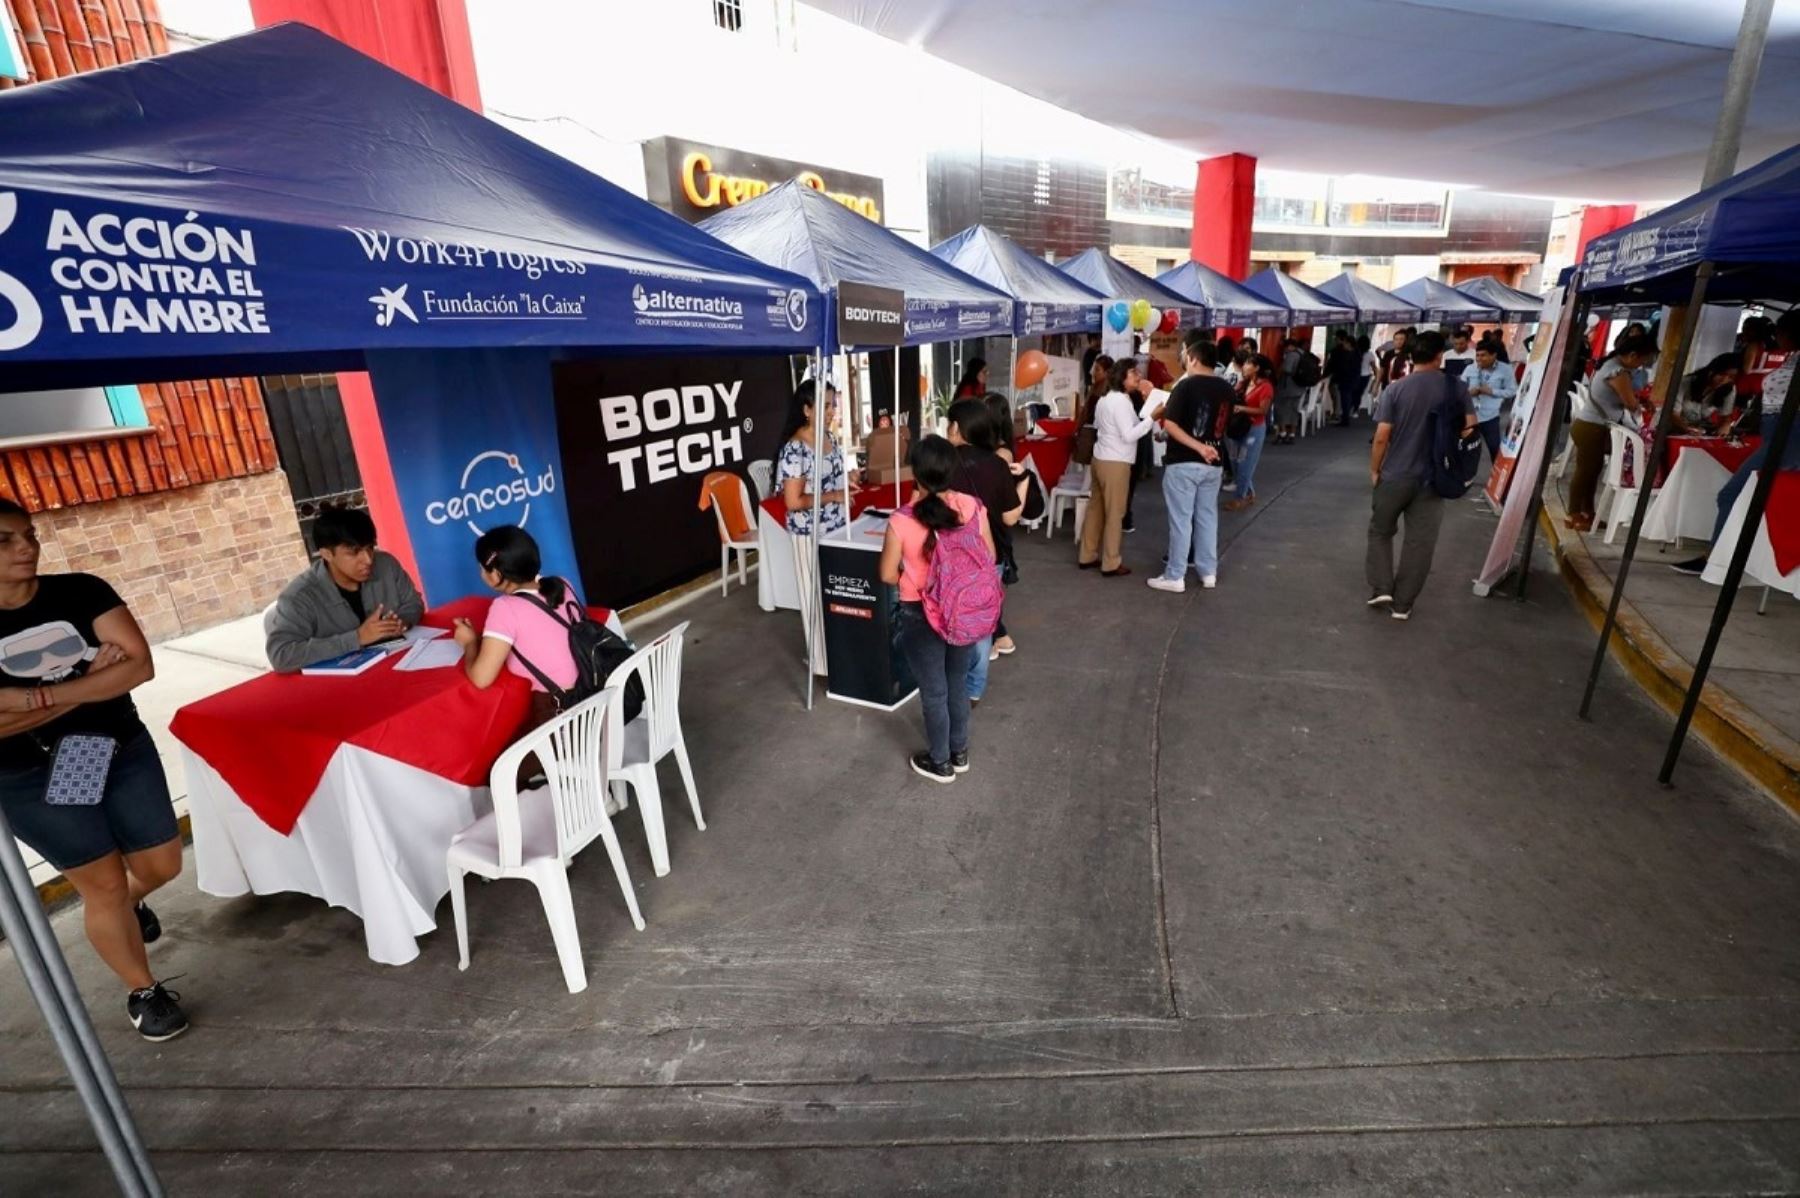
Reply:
x=881, y=385
x=638, y=435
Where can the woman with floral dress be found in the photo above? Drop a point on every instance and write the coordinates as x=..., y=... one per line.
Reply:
x=827, y=511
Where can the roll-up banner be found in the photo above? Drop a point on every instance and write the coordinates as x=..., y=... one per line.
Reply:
x=639, y=435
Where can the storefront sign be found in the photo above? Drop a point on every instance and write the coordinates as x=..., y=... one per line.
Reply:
x=472, y=437
x=870, y=315
x=639, y=435
x=694, y=181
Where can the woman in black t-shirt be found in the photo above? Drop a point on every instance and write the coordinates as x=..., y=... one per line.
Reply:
x=70, y=655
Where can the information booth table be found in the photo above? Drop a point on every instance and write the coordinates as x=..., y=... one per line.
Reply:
x=861, y=619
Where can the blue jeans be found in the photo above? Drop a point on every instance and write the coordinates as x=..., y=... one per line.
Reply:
x=942, y=672
x=1728, y=494
x=1249, y=453
x=1191, y=493
x=983, y=650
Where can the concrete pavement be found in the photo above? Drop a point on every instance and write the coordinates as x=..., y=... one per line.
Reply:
x=1250, y=891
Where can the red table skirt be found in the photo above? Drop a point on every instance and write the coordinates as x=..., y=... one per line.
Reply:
x=1782, y=519
x=1052, y=455
x=1053, y=427
x=271, y=738
x=1722, y=450
x=861, y=500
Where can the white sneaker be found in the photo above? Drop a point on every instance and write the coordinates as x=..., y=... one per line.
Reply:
x=1401, y=613
x=1209, y=582
x=1174, y=586
x=1380, y=600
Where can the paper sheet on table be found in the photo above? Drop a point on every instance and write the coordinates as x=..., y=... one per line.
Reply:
x=419, y=634
x=433, y=654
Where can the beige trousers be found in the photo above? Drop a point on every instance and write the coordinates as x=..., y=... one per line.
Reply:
x=1103, y=532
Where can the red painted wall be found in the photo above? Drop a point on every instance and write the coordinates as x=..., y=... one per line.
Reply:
x=429, y=41
x=1224, y=204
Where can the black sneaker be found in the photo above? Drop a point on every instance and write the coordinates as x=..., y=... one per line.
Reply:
x=959, y=762
x=925, y=767
x=156, y=1013
x=1694, y=565
x=148, y=924
x=1130, y=525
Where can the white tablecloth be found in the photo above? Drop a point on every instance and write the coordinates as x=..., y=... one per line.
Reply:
x=775, y=583
x=372, y=840
x=1759, y=568
x=1688, y=502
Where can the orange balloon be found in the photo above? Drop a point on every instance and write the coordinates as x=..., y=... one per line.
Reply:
x=1032, y=368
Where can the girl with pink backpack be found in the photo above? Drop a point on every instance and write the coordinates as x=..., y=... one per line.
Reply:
x=940, y=553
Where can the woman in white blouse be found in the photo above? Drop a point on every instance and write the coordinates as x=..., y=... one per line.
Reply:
x=1117, y=430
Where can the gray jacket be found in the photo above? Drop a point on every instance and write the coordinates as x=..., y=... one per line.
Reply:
x=311, y=621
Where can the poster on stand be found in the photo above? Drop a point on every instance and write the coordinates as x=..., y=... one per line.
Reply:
x=1512, y=440
x=638, y=436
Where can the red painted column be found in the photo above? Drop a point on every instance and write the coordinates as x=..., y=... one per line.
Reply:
x=429, y=41
x=1224, y=206
x=1597, y=220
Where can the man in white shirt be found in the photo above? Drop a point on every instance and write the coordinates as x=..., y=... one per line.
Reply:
x=1460, y=356
x=1117, y=430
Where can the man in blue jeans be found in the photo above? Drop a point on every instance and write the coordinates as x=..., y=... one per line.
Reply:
x=1774, y=394
x=1193, y=467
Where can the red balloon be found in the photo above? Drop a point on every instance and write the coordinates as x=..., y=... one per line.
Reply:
x=1170, y=319
x=1032, y=368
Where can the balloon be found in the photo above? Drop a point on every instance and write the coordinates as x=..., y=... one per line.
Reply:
x=1118, y=316
x=1170, y=320
x=1032, y=368
x=1140, y=314
x=1155, y=321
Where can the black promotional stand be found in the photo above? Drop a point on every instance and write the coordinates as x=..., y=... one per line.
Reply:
x=864, y=663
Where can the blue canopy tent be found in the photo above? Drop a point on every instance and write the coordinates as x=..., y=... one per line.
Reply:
x=798, y=229
x=1372, y=304
x=1515, y=306
x=1305, y=305
x=279, y=202
x=1223, y=302
x=1099, y=271
x=1440, y=303
x=1736, y=241
x=1045, y=300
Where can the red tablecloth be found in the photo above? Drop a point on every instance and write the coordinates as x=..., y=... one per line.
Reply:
x=1727, y=454
x=1051, y=455
x=1056, y=428
x=271, y=738
x=861, y=500
x=1782, y=519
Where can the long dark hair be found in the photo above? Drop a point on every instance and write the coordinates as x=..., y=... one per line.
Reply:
x=971, y=376
x=934, y=467
x=970, y=416
x=1115, y=378
x=1265, y=369
x=1105, y=362
x=510, y=552
x=1000, y=421
x=797, y=418
x=1697, y=381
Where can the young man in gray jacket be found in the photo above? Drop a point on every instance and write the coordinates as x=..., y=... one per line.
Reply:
x=354, y=595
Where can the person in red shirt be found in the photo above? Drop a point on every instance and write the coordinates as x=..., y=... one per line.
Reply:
x=1258, y=393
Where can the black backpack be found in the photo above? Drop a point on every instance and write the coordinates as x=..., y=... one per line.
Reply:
x=1454, y=457
x=597, y=651
x=1308, y=370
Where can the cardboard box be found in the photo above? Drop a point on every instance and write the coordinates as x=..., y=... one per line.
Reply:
x=882, y=476
x=880, y=449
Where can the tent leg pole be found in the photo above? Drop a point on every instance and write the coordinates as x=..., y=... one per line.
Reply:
x=898, y=423
x=1672, y=371
x=809, y=604
x=1734, y=574
x=1565, y=378
x=47, y=976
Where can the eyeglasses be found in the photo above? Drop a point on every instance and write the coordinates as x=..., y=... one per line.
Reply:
x=21, y=662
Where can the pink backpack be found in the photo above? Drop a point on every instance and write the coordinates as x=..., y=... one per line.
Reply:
x=962, y=592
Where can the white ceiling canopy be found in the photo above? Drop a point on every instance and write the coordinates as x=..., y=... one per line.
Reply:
x=1588, y=99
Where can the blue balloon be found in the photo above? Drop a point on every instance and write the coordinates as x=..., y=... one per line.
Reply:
x=1118, y=316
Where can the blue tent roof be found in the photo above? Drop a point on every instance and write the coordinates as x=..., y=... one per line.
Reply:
x=1100, y=271
x=1045, y=300
x=279, y=201
x=1514, y=305
x=806, y=231
x=1225, y=302
x=1305, y=305
x=1439, y=302
x=1372, y=304
x=1750, y=223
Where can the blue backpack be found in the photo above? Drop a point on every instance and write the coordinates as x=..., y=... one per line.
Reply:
x=1454, y=457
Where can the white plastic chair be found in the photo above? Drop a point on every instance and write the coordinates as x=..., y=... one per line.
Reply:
x=761, y=472
x=639, y=745
x=1619, y=501
x=1568, y=451
x=1312, y=408
x=1032, y=525
x=1068, y=493
x=536, y=834
x=742, y=546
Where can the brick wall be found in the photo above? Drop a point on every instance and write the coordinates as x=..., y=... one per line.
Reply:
x=184, y=560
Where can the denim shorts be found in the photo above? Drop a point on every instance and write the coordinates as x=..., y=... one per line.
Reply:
x=134, y=814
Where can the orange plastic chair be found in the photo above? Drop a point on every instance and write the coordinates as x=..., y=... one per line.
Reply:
x=725, y=493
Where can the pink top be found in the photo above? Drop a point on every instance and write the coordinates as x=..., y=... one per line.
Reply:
x=530, y=630
x=913, y=566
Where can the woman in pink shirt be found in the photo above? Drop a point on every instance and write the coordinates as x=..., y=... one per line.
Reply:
x=940, y=668
x=518, y=629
